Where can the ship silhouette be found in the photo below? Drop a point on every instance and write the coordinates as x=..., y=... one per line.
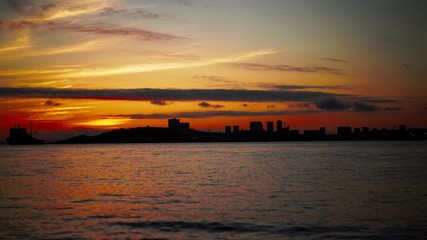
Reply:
x=19, y=136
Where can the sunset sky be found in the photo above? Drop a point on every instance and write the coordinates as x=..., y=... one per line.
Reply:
x=75, y=66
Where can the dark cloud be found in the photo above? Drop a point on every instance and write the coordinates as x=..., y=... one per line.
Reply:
x=139, y=34
x=285, y=68
x=149, y=94
x=364, y=107
x=143, y=14
x=245, y=105
x=111, y=11
x=107, y=11
x=208, y=105
x=12, y=25
x=213, y=79
x=373, y=100
x=207, y=114
x=405, y=65
x=299, y=87
x=30, y=8
x=36, y=13
x=392, y=109
x=160, y=102
x=299, y=105
x=335, y=60
x=336, y=104
x=333, y=104
x=271, y=106
x=51, y=103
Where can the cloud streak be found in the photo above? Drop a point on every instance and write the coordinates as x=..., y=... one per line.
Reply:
x=213, y=78
x=335, y=60
x=131, y=69
x=139, y=34
x=160, y=102
x=74, y=48
x=40, y=12
x=128, y=13
x=357, y=106
x=51, y=103
x=23, y=41
x=208, y=105
x=149, y=94
x=333, y=104
x=285, y=68
x=50, y=14
x=208, y=114
x=300, y=87
x=364, y=107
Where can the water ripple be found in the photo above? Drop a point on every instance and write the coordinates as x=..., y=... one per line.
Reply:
x=175, y=226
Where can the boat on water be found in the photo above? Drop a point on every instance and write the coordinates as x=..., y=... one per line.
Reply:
x=19, y=136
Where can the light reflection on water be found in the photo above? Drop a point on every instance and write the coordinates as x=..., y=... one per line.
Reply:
x=303, y=190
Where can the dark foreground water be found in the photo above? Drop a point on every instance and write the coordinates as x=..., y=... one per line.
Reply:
x=308, y=190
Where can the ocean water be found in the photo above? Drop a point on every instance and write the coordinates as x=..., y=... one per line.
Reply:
x=297, y=190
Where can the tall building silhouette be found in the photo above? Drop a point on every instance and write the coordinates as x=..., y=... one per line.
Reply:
x=236, y=129
x=177, y=125
x=270, y=127
x=173, y=123
x=344, y=132
x=279, y=126
x=256, y=127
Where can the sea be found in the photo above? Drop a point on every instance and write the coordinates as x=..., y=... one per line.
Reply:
x=281, y=190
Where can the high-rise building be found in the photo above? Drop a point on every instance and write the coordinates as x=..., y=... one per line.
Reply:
x=173, y=123
x=227, y=129
x=256, y=127
x=322, y=131
x=184, y=125
x=402, y=128
x=270, y=127
x=344, y=132
x=279, y=126
x=236, y=129
x=176, y=125
x=356, y=131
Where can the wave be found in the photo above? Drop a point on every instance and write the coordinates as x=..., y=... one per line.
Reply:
x=324, y=232
x=112, y=195
x=175, y=226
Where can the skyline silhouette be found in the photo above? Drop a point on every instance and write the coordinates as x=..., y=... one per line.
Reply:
x=178, y=131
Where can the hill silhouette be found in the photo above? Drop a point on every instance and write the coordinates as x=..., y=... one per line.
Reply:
x=149, y=135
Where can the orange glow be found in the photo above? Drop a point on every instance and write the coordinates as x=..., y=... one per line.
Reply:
x=104, y=122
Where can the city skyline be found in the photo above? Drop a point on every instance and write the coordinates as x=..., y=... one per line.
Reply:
x=94, y=65
x=177, y=131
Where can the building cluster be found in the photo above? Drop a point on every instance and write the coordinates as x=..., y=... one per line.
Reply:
x=257, y=132
x=283, y=132
x=176, y=125
x=279, y=131
x=365, y=133
x=258, y=127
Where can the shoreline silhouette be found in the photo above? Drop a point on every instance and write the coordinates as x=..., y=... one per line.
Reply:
x=178, y=131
